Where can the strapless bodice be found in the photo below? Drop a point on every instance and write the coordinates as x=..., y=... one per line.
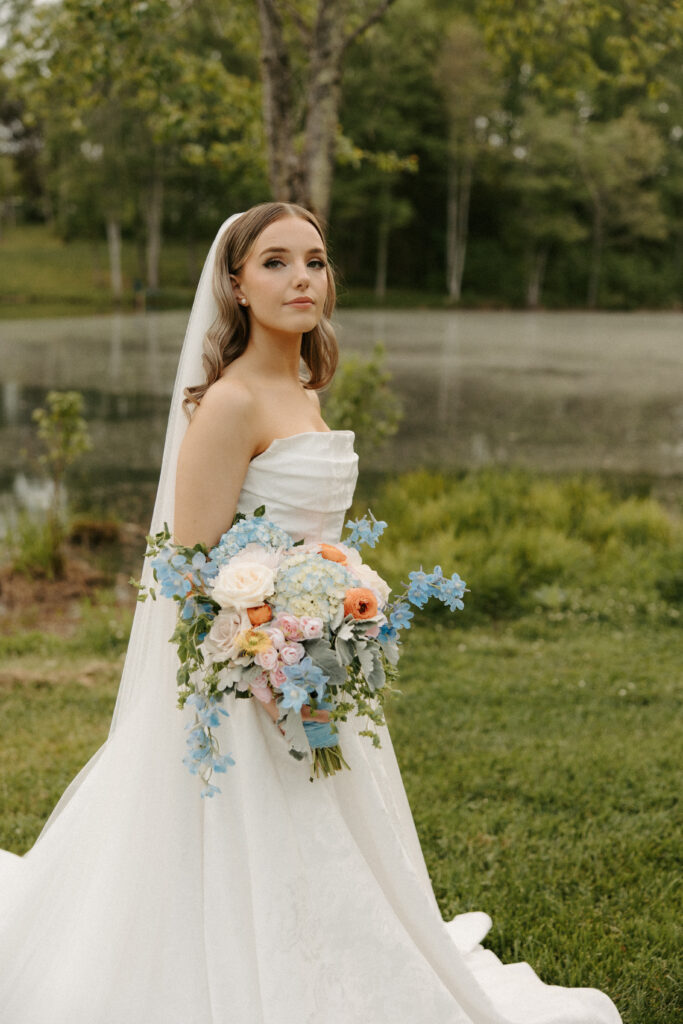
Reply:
x=306, y=481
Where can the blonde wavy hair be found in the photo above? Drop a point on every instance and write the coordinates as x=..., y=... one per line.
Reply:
x=228, y=336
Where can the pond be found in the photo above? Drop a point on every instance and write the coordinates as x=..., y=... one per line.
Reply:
x=555, y=391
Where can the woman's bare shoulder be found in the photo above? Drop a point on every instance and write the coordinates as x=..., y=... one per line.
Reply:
x=225, y=405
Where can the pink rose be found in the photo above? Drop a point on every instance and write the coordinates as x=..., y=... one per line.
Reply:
x=290, y=654
x=289, y=624
x=373, y=631
x=311, y=626
x=278, y=677
x=277, y=637
x=267, y=659
x=261, y=689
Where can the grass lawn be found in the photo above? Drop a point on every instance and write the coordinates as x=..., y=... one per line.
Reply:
x=539, y=758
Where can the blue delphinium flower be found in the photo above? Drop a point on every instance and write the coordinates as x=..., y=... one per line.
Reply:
x=293, y=695
x=203, y=757
x=452, y=591
x=434, y=584
x=420, y=588
x=387, y=632
x=364, y=531
x=400, y=616
x=302, y=679
x=176, y=575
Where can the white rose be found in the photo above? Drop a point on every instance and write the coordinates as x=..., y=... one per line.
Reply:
x=219, y=642
x=243, y=584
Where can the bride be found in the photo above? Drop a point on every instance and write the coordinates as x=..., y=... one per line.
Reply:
x=278, y=901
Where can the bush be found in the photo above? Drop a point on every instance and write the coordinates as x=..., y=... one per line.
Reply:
x=522, y=540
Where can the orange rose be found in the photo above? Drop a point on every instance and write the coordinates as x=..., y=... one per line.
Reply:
x=332, y=554
x=360, y=602
x=260, y=614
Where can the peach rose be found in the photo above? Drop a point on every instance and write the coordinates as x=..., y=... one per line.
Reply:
x=260, y=614
x=332, y=554
x=360, y=602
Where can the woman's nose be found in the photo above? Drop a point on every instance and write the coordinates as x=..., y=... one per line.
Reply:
x=301, y=273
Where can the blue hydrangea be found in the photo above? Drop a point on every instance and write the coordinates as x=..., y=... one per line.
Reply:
x=364, y=531
x=308, y=584
x=253, y=530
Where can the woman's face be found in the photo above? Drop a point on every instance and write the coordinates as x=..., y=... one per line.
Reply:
x=284, y=278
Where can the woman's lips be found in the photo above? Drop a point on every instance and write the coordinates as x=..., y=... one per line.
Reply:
x=303, y=303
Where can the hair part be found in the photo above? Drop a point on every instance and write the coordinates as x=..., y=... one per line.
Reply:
x=228, y=336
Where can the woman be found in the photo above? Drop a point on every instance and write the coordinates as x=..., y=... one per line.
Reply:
x=279, y=900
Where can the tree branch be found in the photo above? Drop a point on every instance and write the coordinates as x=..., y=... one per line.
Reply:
x=305, y=30
x=378, y=13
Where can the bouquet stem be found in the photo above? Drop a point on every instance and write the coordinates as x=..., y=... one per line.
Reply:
x=328, y=761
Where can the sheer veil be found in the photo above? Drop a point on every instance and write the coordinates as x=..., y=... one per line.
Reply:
x=154, y=621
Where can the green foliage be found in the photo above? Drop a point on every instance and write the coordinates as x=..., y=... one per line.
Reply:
x=62, y=434
x=30, y=546
x=62, y=431
x=567, y=547
x=361, y=399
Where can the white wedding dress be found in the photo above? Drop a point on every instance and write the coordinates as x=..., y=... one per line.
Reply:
x=279, y=901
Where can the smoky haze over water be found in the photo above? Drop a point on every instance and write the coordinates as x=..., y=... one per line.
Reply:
x=554, y=391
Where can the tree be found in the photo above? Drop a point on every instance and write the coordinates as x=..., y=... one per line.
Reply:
x=301, y=68
x=471, y=87
x=545, y=180
x=619, y=161
x=124, y=99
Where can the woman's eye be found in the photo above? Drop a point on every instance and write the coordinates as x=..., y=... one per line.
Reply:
x=273, y=262
x=318, y=264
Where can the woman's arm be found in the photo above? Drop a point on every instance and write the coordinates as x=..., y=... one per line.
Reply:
x=214, y=456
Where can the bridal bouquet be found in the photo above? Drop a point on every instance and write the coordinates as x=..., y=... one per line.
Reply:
x=289, y=624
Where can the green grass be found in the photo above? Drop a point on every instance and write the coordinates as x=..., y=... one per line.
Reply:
x=538, y=732
x=40, y=275
x=539, y=759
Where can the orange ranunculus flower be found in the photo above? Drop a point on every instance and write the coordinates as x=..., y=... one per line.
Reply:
x=260, y=614
x=332, y=554
x=360, y=602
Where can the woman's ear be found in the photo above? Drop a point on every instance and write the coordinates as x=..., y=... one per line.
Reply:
x=237, y=290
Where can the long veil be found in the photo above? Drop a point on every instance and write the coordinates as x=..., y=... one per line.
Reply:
x=154, y=621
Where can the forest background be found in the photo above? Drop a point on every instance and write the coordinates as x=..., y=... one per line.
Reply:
x=489, y=153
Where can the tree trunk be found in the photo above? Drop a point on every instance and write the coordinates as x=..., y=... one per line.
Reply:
x=153, y=218
x=307, y=178
x=535, y=281
x=596, y=254
x=457, y=221
x=114, y=248
x=278, y=102
x=322, y=107
x=382, y=255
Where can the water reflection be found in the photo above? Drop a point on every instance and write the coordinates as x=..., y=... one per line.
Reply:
x=556, y=391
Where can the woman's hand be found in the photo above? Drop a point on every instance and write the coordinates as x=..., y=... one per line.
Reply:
x=309, y=716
